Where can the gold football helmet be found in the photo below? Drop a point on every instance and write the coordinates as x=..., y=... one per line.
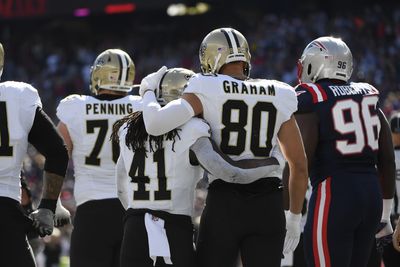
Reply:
x=222, y=46
x=172, y=84
x=1, y=59
x=113, y=70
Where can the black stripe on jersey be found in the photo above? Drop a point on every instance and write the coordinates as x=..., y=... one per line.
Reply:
x=120, y=67
x=236, y=39
x=227, y=38
x=127, y=68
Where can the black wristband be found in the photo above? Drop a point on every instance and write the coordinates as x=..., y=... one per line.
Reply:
x=50, y=204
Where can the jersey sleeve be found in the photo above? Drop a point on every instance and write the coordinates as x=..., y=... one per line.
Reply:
x=65, y=109
x=193, y=130
x=305, y=100
x=194, y=85
x=30, y=98
x=288, y=100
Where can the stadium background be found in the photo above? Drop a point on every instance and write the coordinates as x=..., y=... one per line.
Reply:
x=52, y=44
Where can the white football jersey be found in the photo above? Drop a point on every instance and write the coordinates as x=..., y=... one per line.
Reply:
x=164, y=179
x=397, y=159
x=18, y=104
x=244, y=116
x=90, y=121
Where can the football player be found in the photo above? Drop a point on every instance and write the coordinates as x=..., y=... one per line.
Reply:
x=23, y=121
x=163, y=172
x=247, y=117
x=346, y=136
x=86, y=123
x=390, y=257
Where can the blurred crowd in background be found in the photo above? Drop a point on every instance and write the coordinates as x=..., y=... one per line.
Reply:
x=55, y=56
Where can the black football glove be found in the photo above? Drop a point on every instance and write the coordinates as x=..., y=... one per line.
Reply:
x=383, y=235
x=43, y=221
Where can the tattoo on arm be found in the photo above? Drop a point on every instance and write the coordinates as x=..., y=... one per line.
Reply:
x=52, y=184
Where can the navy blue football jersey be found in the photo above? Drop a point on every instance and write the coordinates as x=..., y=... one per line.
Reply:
x=348, y=126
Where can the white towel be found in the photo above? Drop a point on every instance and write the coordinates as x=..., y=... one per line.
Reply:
x=158, y=241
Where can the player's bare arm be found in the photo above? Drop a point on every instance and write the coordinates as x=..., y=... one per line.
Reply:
x=195, y=102
x=52, y=184
x=386, y=162
x=63, y=129
x=293, y=149
x=396, y=237
x=45, y=138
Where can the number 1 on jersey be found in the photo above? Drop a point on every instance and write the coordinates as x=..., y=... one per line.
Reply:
x=137, y=173
x=5, y=148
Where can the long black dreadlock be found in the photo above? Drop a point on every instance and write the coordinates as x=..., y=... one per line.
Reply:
x=136, y=135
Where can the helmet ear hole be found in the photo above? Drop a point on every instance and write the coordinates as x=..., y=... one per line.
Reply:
x=309, y=69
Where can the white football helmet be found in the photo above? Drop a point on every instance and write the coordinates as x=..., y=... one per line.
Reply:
x=172, y=84
x=222, y=46
x=1, y=59
x=325, y=58
x=113, y=70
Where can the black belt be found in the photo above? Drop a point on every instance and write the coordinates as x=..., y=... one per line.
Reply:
x=262, y=185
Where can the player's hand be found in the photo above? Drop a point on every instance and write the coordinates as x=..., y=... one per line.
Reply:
x=396, y=238
x=62, y=216
x=384, y=235
x=43, y=221
x=293, y=231
x=151, y=81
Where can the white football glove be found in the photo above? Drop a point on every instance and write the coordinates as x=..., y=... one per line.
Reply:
x=43, y=221
x=293, y=231
x=151, y=81
x=62, y=216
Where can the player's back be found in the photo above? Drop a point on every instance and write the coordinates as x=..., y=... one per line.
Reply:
x=89, y=121
x=348, y=125
x=244, y=116
x=164, y=179
x=18, y=104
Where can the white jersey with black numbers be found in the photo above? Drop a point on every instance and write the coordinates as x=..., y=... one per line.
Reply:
x=90, y=121
x=18, y=104
x=165, y=179
x=244, y=116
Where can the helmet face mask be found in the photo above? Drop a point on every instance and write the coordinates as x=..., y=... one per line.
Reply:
x=325, y=58
x=112, y=70
x=172, y=84
x=222, y=46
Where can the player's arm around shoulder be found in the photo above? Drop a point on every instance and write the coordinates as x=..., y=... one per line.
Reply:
x=211, y=158
x=160, y=120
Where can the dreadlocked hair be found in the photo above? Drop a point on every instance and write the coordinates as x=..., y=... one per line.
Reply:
x=137, y=136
